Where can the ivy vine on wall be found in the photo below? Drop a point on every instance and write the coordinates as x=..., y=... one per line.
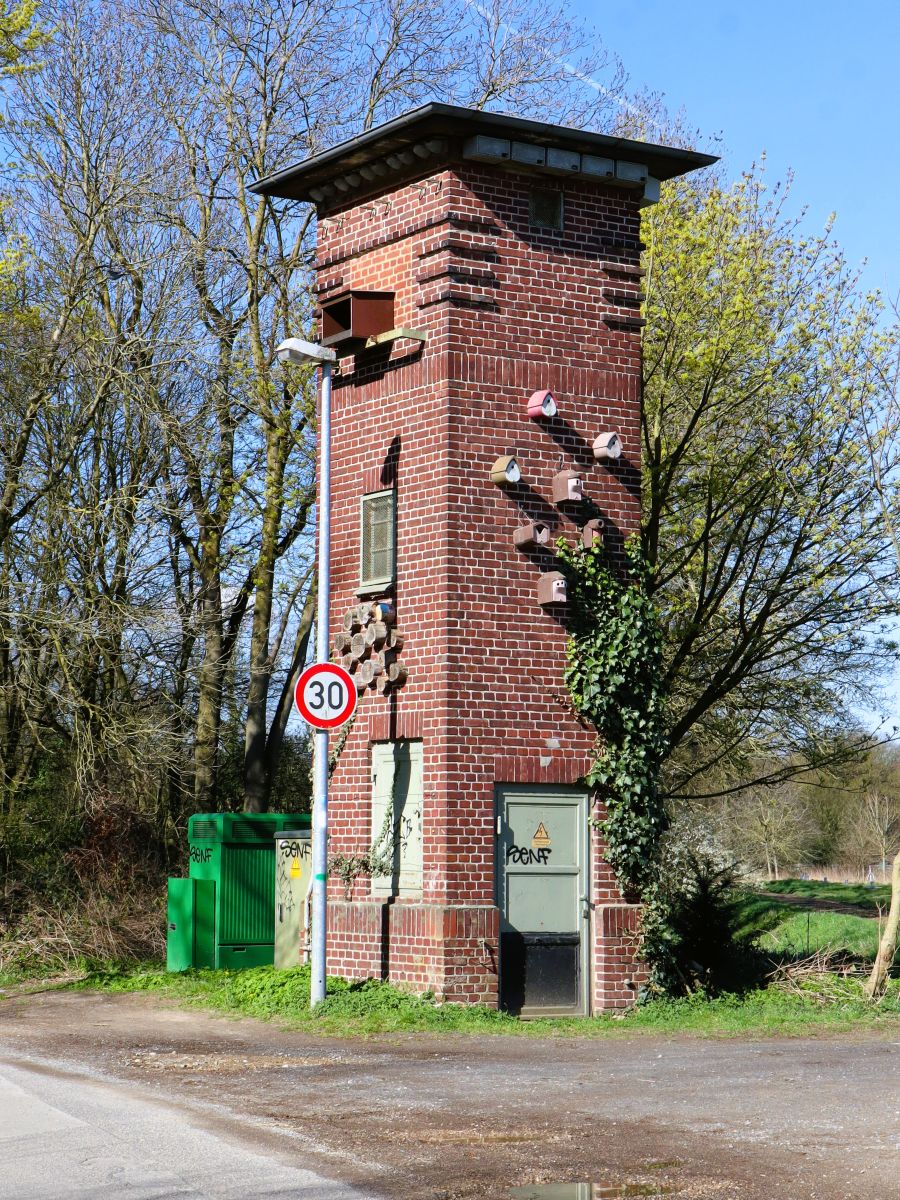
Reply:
x=380, y=856
x=377, y=860
x=613, y=674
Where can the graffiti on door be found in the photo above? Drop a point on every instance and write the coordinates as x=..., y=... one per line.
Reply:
x=524, y=856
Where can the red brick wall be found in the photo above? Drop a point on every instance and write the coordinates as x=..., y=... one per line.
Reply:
x=507, y=309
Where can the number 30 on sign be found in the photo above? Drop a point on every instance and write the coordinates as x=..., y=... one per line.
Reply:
x=325, y=695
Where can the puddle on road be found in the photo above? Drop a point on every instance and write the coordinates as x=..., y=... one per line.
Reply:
x=587, y=1191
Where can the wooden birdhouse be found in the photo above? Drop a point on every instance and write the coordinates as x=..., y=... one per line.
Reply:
x=552, y=589
x=532, y=536
x=352, y=317
x=568, y=488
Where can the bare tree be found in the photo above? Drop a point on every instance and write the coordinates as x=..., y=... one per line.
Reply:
x=139, y=138
x=770, y=560
x=767, y=827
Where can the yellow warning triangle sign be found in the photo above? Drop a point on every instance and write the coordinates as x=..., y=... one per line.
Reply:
x=541, y=837
x=296, y=872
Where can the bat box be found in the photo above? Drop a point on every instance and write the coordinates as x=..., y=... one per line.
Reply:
x=351, y=317
x=531, y=536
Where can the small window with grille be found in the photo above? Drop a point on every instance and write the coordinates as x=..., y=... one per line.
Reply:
x=545, y=209
x=376, y=565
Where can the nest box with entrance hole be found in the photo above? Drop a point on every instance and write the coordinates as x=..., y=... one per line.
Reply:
x=568, y=488
x=607, y=446
x=505, y=471
x=552, y=589
x=542, y=404
x=531, y=536
x=351, y=318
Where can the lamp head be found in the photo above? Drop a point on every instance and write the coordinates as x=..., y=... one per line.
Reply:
x=295, y=350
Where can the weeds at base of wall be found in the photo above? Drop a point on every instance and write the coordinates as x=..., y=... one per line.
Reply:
x=369, y=1007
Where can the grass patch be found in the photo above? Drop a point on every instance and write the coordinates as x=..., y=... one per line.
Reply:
x=842, y=893
x=805, y=932
x=796, y=931
x=367, y=1008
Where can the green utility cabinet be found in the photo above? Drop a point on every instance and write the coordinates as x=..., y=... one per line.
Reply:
x=223, y=914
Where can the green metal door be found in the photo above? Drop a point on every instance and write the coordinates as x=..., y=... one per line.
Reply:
x=191, y=924
x=542, y=877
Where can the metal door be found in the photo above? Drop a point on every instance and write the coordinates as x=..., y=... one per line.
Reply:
x=543, y=896
x=397, y=815
x=191, y=920
x=293, y=881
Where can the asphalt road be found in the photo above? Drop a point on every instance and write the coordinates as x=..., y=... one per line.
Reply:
x=126, y=1083
x=67, y=1135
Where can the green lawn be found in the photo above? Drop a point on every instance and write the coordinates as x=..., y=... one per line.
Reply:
x=802, y=933
x=363, y=1009
x=796, y=931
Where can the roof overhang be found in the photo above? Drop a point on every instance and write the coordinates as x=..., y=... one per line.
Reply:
x=415, y=141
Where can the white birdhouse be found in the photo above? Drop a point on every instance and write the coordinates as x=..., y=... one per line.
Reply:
x=607, y=445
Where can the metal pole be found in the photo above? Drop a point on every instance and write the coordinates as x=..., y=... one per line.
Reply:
x=320, y=780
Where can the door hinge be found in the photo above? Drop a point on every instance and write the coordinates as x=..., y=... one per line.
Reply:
x=499, y=825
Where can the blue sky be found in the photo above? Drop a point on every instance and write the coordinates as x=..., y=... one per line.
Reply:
x=816, y=86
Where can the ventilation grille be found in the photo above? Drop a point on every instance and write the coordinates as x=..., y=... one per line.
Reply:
x=377, y=541
x=247, y=831
x=205, y=829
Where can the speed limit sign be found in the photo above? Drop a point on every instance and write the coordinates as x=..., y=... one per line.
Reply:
x=325, y=695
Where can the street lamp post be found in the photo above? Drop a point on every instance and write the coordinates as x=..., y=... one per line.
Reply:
x=296, y=351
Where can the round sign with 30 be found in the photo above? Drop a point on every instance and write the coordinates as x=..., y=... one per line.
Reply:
x=325, y=695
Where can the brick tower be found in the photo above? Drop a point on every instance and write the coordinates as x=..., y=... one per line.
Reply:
x=469, y=264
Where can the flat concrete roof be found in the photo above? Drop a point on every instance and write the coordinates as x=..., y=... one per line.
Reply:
x=453, y=124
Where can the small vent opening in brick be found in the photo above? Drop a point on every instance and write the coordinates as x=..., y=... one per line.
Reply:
x=545, y=209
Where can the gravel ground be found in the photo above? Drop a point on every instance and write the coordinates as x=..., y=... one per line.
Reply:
x=446, y=1118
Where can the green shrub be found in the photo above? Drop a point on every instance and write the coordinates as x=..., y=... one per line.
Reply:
x=700, y=930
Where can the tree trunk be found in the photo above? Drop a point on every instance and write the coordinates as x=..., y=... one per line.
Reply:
x=877, y=981
x=256, y=798
x=209, y=703
x=257, y=783
x=275, y=740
